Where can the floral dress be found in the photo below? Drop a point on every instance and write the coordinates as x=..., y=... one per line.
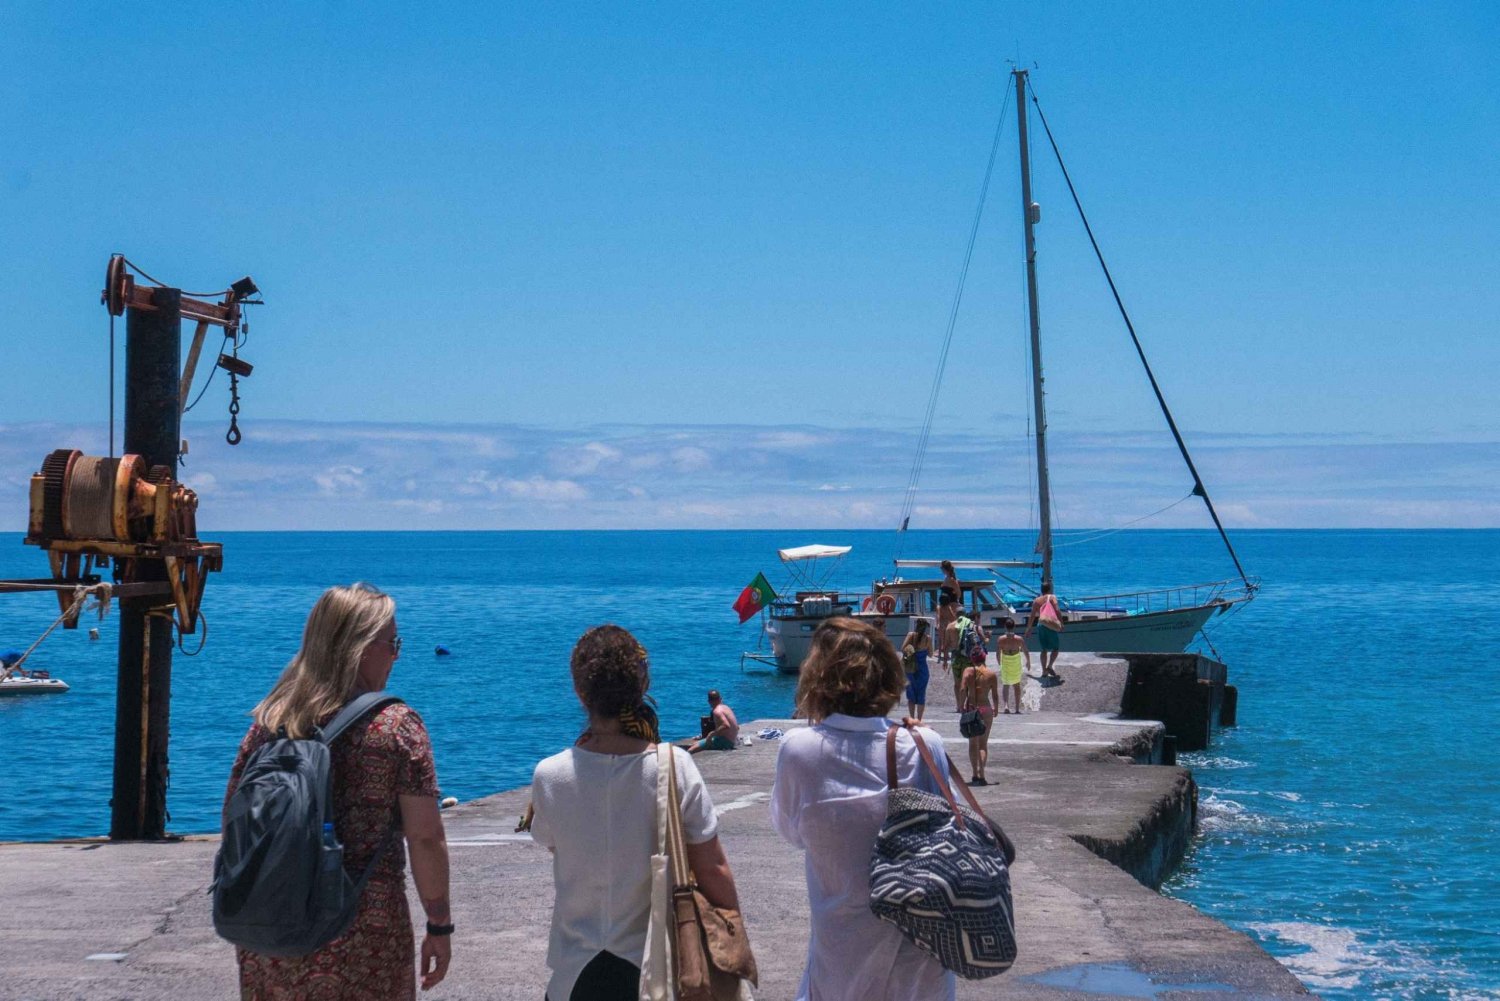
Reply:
x=389, y=756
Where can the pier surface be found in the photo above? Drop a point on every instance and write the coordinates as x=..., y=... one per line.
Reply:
x=125, y=921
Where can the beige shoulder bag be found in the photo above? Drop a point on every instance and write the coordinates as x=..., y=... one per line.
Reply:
x=711, y=950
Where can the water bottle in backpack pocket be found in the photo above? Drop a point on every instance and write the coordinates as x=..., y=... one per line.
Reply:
x=331, y=876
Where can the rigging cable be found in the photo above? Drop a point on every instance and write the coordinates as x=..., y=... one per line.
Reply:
x=111, y=385
x=909, y=503
x=208, y=383
x=1198, y=487
x=161, y=284
x=1098, y=534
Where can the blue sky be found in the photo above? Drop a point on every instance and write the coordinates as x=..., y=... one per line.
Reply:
x=699, y=224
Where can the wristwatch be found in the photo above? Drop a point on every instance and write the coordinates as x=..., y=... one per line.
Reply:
x=433, y=929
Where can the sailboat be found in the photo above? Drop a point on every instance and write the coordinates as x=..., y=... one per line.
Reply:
x=1163, y=620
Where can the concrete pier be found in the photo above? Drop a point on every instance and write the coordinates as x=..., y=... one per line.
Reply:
x=1095, y=832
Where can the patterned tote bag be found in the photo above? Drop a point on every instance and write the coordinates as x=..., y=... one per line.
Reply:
x=940, y=872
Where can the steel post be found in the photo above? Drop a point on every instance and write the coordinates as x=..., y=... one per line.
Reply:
x=153, y=352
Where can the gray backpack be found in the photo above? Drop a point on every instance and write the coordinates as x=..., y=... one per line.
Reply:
x=279, y=886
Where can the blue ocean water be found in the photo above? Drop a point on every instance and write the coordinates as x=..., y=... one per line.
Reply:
x=1349, y=823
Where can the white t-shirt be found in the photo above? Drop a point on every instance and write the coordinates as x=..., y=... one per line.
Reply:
x=829, y=800
x=597, y=812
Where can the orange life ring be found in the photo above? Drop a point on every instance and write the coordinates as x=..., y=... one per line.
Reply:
x=867, y=604
x=885, y=604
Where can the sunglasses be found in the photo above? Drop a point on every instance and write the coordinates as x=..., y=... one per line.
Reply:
x=395, y=644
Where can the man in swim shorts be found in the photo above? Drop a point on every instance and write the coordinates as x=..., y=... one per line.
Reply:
x=1048, y=641
x=726, y=731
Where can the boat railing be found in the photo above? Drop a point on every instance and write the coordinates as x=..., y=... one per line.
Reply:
x=1166, y=599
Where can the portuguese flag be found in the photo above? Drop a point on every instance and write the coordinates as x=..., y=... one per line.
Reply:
x=753, y=598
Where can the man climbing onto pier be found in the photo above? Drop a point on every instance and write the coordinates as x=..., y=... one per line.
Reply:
x=726, y=731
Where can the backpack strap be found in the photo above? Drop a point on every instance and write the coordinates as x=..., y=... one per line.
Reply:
x=353, y=710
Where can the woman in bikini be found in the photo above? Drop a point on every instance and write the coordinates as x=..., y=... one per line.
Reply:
x=948, y=606
x=981, y=689
x=1012, y=648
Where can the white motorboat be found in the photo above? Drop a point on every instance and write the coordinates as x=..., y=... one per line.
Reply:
x=810, y=595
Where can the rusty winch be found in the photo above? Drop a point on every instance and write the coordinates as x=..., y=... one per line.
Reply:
x=87, y=510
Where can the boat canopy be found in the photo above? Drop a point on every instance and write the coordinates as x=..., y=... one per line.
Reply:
x=811, y=552
x=971, y=564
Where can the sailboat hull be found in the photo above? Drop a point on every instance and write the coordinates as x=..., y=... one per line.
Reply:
x=1149, y=632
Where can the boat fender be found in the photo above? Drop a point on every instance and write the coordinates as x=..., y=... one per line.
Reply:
x=867, y=604
x=885, y=604
x=442, y=651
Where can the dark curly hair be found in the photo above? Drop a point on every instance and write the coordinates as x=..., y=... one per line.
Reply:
x=852, y=669
x=610, y=671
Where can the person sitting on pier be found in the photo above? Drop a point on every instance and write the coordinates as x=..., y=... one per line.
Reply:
x=601, y=860
x=829, y=800
x=383, y=779
x=726, y=732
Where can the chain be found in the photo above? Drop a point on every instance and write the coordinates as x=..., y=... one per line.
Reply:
x=233, y=436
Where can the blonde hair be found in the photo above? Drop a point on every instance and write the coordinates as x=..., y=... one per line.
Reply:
x=852, y=669
x=321, y=677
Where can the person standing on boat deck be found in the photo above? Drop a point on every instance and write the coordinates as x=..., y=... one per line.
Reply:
x=383, y=779
x=829, y=800
x=1049, y=641
x=949, y=605
x=596, y=812
x=1011, y=649
x=726, y=732
x=920, y=645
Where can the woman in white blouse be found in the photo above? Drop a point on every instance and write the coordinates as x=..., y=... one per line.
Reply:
x=596, y=810
x=829, y=800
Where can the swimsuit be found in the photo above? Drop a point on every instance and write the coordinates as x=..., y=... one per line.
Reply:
x=1010, y=668
x=1049, y=639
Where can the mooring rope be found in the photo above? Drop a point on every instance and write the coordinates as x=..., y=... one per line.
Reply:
x=80, y=595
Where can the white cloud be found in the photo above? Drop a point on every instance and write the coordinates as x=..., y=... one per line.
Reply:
x=339, y=480
x=290, y=475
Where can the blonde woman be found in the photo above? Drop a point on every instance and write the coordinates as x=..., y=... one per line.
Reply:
x=383, y=778
x=829, y=800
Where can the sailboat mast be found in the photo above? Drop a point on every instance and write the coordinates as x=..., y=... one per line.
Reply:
x=1030, y=215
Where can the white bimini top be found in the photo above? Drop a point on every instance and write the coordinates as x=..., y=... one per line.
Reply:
x=597, y=812
x=829, y=800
